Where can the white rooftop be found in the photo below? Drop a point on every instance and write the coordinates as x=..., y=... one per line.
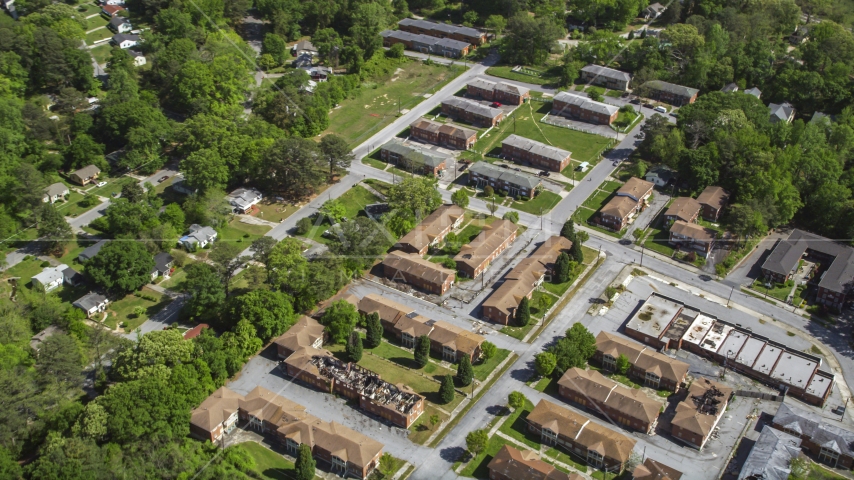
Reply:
x=794, y=370
x=750, y=351
x=716, y=336
x=695, y=333
x=767, y=359
x=732, y=344
x=819, y=385
x=654, y=316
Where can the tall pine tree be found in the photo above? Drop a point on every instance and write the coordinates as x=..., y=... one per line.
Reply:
x=374, y=331
x=354, y=347
x=305, y=466
x=446, y=391
x=422, y=351
x=464, y=371
x=562, y=268
x=523, y=312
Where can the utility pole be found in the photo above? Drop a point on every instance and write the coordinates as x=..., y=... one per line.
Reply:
x=643, y=248
x=730, y=296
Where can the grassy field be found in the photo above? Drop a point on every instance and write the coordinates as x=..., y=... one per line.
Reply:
x=100, y=34
x=540, y=204
x=356, y=199
x=375, y=105
x=114, y=185
x=95, y=22
x=237, y=231
x=506, y=71
x=658, y=240
x=780, y=291
x=122, y=310
x=74, y=205
x=269, y=464
x=25, y=269
x=101, y=52
x=379, y=185
x=88, y=8
x=585, y=147
x=274, y=211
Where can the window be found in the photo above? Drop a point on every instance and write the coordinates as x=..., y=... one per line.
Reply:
x=255, y=422
x=651, y=380
x=828, y=456
x=407, y=340
x=291, y=446
x=594, y=458
x=549, y=437
x=449, y=354
x=338, y=464
x=609, y=362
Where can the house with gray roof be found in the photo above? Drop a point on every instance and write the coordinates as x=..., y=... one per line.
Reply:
x=771, y=456
x=836, y=259
x=243, y=199
x=606, y=77
x=85, y=175
x=72, y=277
x=660, y=175
x=120, y=24
x=49, y=279
x=579, y=107
x=412, y=159
x=753, y=91
x=472, y=112
x=783, y=112
x=125, y=40
x=55, y=192
x=671, y=93
x=514, y=183
x=531, y=152
x=91, y=251
x=162, y=265
x=303, y=47
x=91, y=303
x=653, y=11
x=198, y=237
x=829, y=443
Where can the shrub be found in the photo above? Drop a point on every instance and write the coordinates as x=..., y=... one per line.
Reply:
x=45, y=264
x=449, y=263
x=304, y=225
x=488, y=191
x=691, y=256
x=525, y=198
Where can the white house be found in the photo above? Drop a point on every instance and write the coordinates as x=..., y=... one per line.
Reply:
x=55, y=192
x=783, y=112
x=125, y=40
x=91, y=303
x=162, y=266
x=243, y=199
x=120, y=25
x=654, y=11
x=199, y=237
x=113, y=2
x=659, y=175
x=50, y=278
x=138, y=58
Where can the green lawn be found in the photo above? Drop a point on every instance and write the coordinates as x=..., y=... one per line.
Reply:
x=598, y=199
x=614, y=93
x=101, y=34
x=25, y=269
x=780, y=291
x=519, y=333
x=74, y=205
x=375, y=105
x=378, y=185
x=275, y=211
x=72, y=249
x=558, y=289
x=375, y=163
x=540, y=204
x=585, y=147
x=356, y=199
x=95, y=22
x=114, y=185
x=122, y=310
x=469, y=233
x=610, y=185
x=482, y=370
x=535, y=302
x=87, y=9
x=269, y=464
x=101, y=52
x=659, y=241
x=237, y=231
x=477, y=467
x=516, y=426
x=506, y=71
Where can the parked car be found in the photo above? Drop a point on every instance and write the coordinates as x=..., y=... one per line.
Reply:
x=163, y=179
x=495, y=104
x=673, y=114
x=101, y=184
x=544, y=173
x=647, y=105
x=463, y=167
x=504, y=165
x=640, y=135
x=518, y=169
x=635, y=101
x=660, y=109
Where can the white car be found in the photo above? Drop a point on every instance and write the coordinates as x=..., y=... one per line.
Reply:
x=660, y=109
x=101, y=184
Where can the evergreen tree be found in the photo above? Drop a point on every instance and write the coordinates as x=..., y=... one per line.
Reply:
x=464, y=371
x=53, y=229
x=354, y=347
x=446, y=391
x=422, y=351
x=568, y=231
x=374, y=331
x=523, y=313
x=576, y=252
x=562, y=268
x=304, y=469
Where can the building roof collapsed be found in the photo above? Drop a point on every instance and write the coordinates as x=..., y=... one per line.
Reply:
x=366, y=382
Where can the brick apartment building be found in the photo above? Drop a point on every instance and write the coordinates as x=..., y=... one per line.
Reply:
x=411, y=159
x=579, y=107
x=501, y=92
x=514, y=183
x=475, y=257
x=830, y=444
x=412, y=269
x=444, y=47
x=690, y=236
x=442, y=30
x=685, y=209
x=699, y=413
x=432, y=230
x=606, y=77
x=628, y=200
x=649, y=367
x=306, y=332
x=530, y=152
x=671, y=93
x=472, y=112
x=713, y=200
x=445, y=134
x=512, y=464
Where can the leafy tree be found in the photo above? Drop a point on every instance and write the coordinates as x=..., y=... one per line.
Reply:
x=337, y=154
x=9, y=467
x=543, y=303
x=205, y=169
x=574, y=349
x=206, y=292
x=304, y=225
x=133, y=192
x=354, y=346
x=516, y=400
x=496, y=24
x=85, y=151
x=623, y=364
x=226, y=256
x=488, y=191
x=446, y=390
x=292, y=167
x=369, y=19
x=576, y=252
x=563, y=268
x=545, y=363
x=460, y=198
x=269, y=312
x=340, y=319
x=530, y=39
x=60, y=361
x=523, y=312
x=488, y=350
x=568, y=231
x=512, y=216
x=361, y=241
x=174, y=216
x=476, y=441
x=52, y=229
x=121, y=267
x=465, y=374
x=328, y=44
x=569, y=72
x=422, y=351
x=159, y=347
x=261, y=248
x=434, y=420
x=416, y=195
x=334, y=209
x=276, y=46
x=374, y=330
x=395, y=51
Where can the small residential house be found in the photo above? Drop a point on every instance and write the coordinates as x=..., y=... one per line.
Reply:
x=39, y=338
x=125, y=40
x=91, y=304
x=163, y=263
x=72, y=277
x=660, y=175
x=685, y=209
x=783, y=112
x=91, y=251
x=120, y=24
x=606, y=77
x=653, y=11
x=320, y=74
x=112, y=10
x=112, y=2
x=753, y=91
x=55, y=192
x=303, y=60
x=50, y=278
x=87, y=174
x=243, y=199
x=198, y=237
x=138, y=58
x=303, y=47
x=713, y=199
x=693, y=237
x=730, y=88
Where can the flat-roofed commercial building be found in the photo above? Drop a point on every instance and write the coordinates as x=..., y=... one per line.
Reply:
x=582, y=108
x=432, y=230
x=475, y=257
x=527, y=151
x=598, y=446
x=412, y=269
